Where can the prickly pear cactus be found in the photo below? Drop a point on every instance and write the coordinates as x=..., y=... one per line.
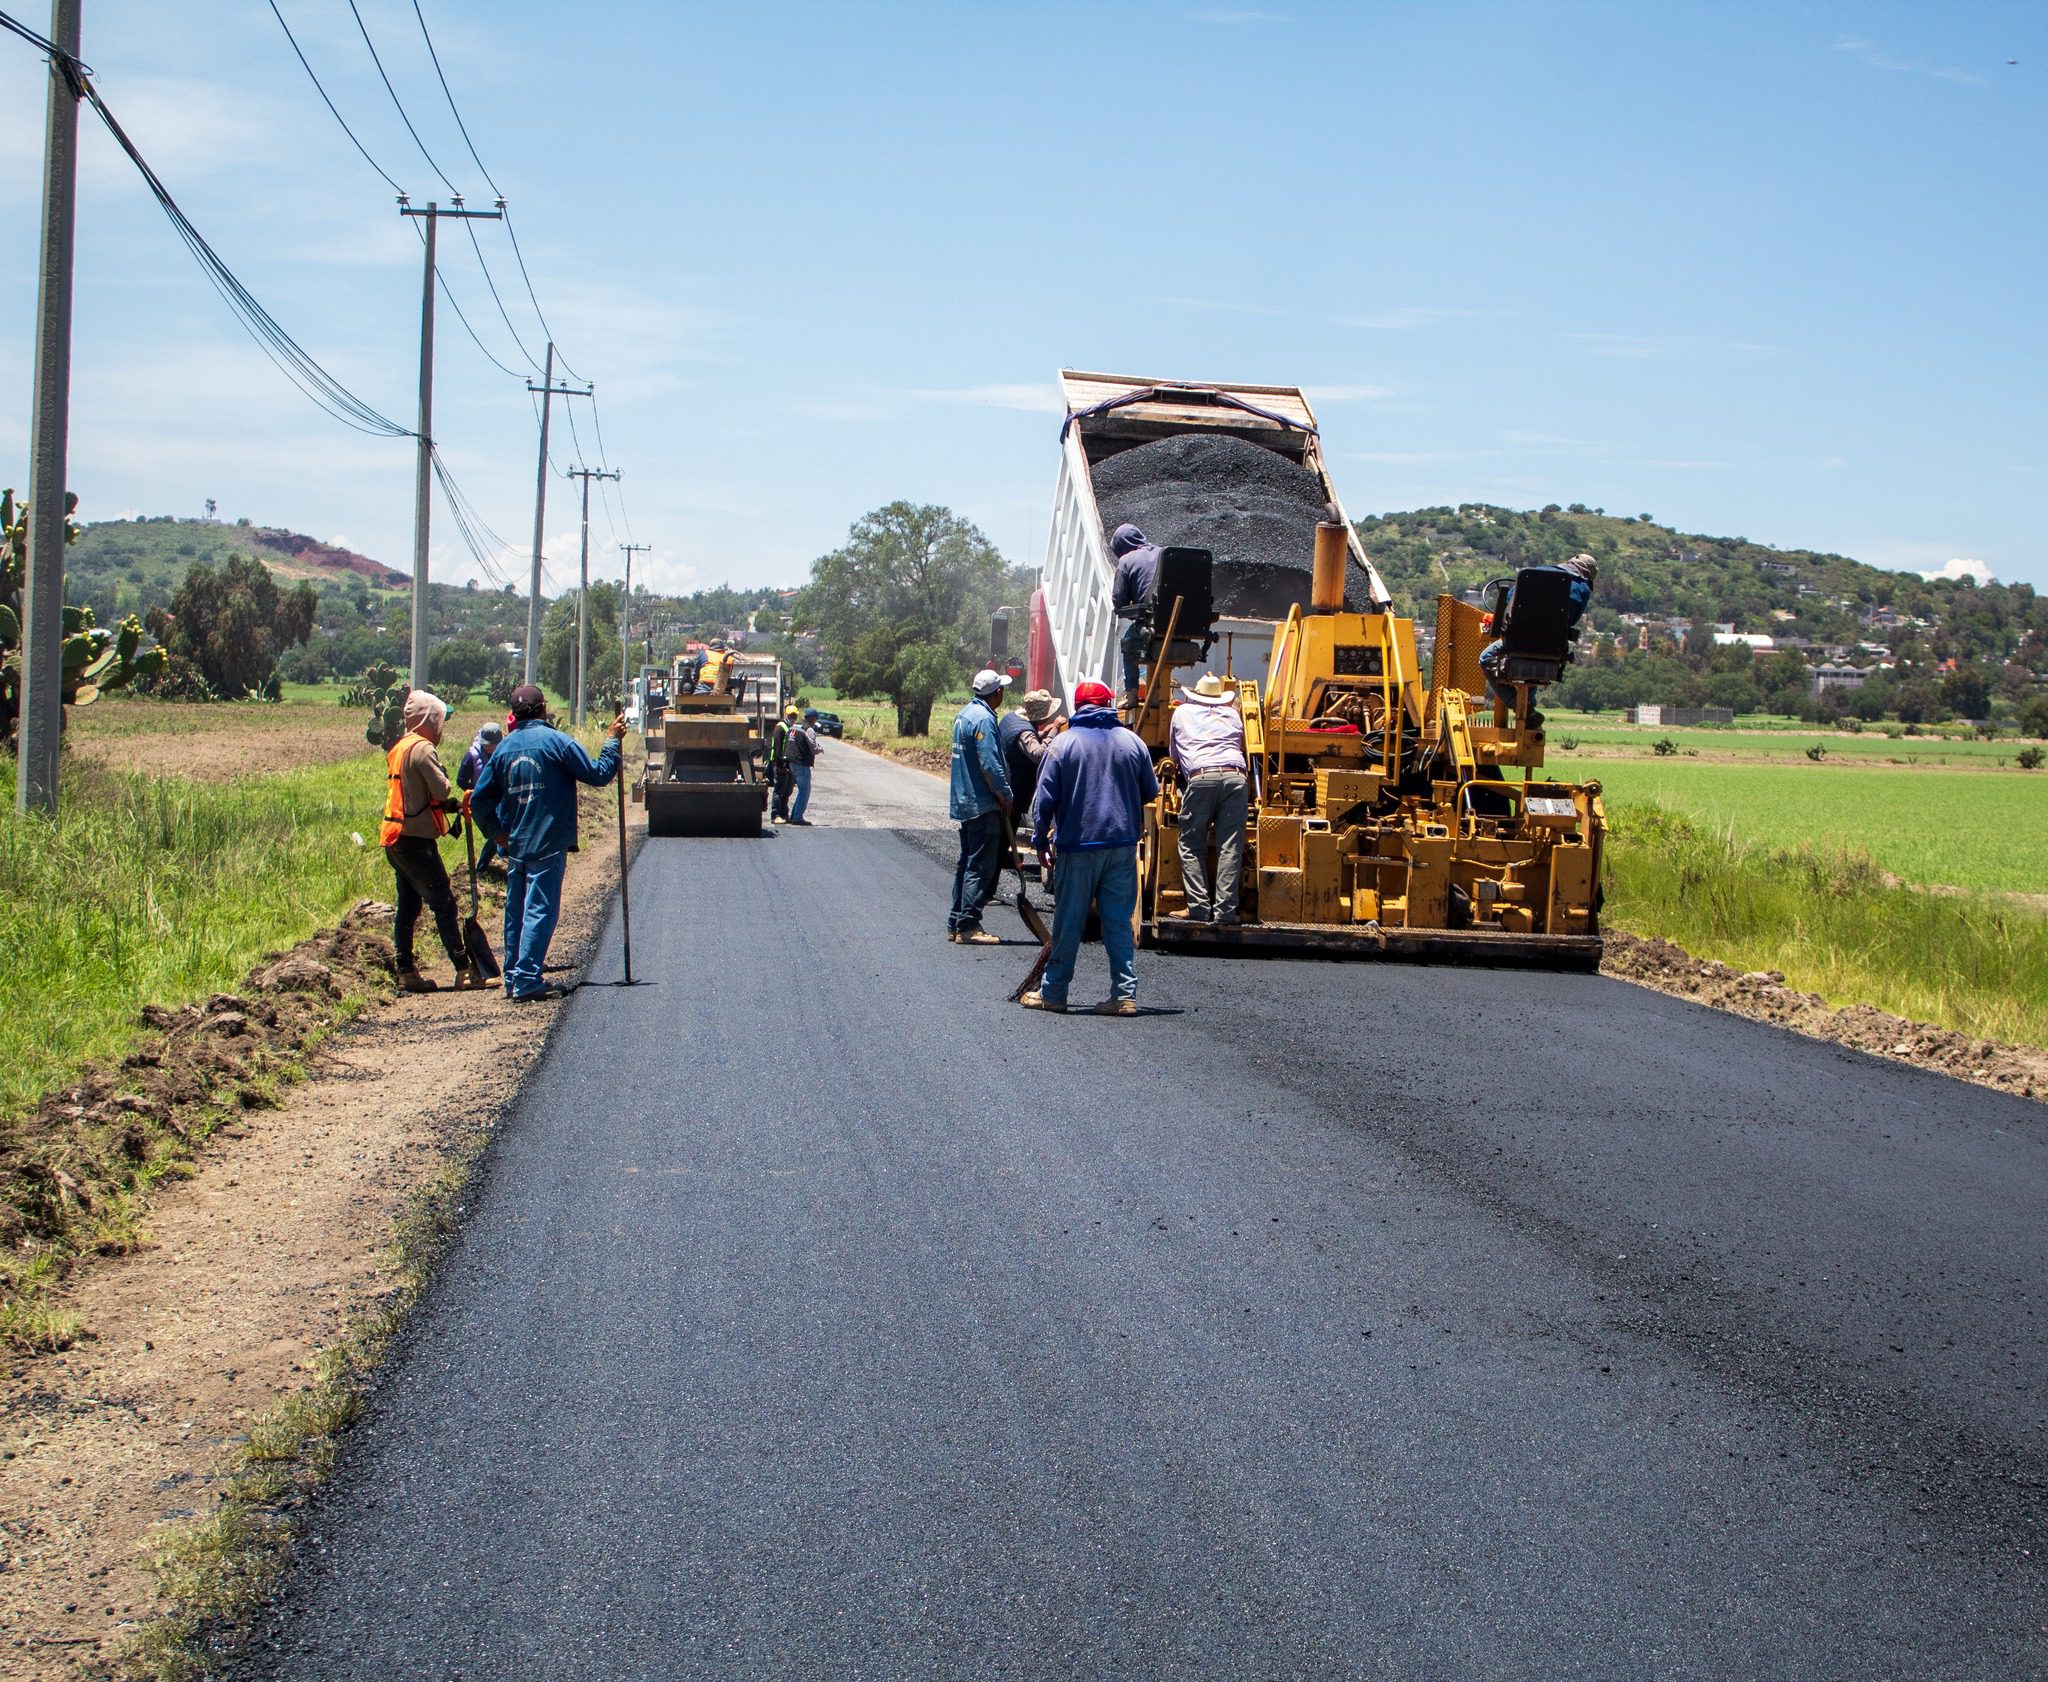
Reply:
x=381, y=691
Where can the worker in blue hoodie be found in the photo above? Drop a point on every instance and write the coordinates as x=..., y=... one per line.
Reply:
x=1086, y=817
x=979, y=802
x=1130, y=597
x=525, y=800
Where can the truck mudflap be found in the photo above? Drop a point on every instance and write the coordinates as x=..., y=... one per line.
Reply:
x=686, y=808
x=1578, y=952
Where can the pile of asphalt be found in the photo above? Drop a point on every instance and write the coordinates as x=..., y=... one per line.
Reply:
x=1254, y=509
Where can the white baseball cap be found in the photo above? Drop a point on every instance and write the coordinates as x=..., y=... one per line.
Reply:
x=989, y=681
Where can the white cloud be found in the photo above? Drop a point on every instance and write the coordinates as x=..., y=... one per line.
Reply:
x=1959, y=568
x=1036, y=398
x=1874, y=56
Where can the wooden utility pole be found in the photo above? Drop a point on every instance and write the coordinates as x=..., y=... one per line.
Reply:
x=626, y=621
x=586, y=474
x=41, y=722
x=423, y=479
x=549, y=391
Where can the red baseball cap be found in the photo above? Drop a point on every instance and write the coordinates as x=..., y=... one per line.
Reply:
x=1092, y=695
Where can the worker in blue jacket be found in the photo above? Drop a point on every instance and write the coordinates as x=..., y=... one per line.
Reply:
x=979, y=802
x=1086, y=818
x=525, y=800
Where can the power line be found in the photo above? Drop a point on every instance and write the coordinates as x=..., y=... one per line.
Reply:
x=292, y=359
x=395, y=100
x=483, y=543
x=513, y=236
x=453, y=111
x=448, y=293
x=317, y=88
x=500, y=302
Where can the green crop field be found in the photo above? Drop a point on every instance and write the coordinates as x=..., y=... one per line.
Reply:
x=1594, y=739
x=1953, y=828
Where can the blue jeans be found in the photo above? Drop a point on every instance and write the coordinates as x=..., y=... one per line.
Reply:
x=1136, y=635
x=533, y=900
x=980, y=869
x=800, y=775
x=1109, y=877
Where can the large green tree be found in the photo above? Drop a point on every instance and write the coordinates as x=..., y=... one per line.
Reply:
x=558, y=644
x=903, y=606
x=234, y=624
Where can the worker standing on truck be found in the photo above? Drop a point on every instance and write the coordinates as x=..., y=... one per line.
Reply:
x=1137, y=575
x=1585, y=573
x=1085, y=824
x=979, y=803
x=778, y=764
x=1206, y=740
x=803, y=754
x=526, y=802
x=416, y=807
x=1023, y=733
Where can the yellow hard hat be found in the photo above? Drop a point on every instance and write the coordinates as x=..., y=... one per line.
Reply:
x=790, y=711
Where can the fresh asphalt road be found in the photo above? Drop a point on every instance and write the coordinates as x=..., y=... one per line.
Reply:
x=820, y=1314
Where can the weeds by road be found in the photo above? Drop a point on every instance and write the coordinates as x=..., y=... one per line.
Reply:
x=1831, y=921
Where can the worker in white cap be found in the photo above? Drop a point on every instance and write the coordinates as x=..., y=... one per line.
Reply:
x=980, y=805
x=1206, y=740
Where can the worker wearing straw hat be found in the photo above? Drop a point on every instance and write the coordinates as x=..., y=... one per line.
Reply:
x=1207, y=743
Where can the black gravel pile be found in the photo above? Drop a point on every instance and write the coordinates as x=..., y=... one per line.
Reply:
x=1255, y=510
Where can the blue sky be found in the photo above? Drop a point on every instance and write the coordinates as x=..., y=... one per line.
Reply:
x=1768, y=270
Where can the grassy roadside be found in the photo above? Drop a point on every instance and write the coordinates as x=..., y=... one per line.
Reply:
x=160, y=891
x=1830, y=922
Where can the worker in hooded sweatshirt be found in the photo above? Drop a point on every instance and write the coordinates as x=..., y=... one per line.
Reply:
x=1085, y=822
x=979, y=801
x=526, y=802
x=416, y=807
x=1137, y=575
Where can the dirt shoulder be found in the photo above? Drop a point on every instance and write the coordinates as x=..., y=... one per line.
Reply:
x=1763, y=996
x=279, y=1242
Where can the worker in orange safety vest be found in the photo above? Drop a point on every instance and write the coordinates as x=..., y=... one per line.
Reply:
x=416, y=807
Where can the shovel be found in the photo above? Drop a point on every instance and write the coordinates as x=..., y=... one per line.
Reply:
x=1025, y=909
x=481, y=958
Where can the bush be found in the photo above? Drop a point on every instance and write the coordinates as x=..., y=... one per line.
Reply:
x=2030, y=759
x=1664, y=747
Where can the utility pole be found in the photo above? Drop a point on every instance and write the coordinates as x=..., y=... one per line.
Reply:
x=626, y=621
x=586, y=474
x=423, y=480
x=42, y=616
x=549, y=391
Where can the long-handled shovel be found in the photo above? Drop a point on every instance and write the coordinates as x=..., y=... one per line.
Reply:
x=1036, y=973
x=625, y=898
x=1033, y=920
x=474, y=942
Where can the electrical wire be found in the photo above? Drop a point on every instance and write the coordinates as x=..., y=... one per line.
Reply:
x=512, y=234
x=450, y=94
x=453, y=303
x=72, y=65
x=291, y=358
x=478, y=537
x=395, y=100
x=470, y=227
x=569, y=412
x=322, y=92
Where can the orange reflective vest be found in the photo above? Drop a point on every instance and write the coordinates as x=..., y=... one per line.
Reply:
x=395, y=813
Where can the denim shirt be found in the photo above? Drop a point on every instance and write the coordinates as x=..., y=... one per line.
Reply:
x=981, y=781
x=525, y=800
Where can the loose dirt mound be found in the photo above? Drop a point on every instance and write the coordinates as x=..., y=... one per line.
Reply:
x=102, y=1135
x=1763, y=995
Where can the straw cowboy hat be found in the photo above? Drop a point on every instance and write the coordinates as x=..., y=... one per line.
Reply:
x=1209, y=692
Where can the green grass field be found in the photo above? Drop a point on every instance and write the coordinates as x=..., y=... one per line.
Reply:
x=1961, y=829
x=162, y=890
x=1595, y=739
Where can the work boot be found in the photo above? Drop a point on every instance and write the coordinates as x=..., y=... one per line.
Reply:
x=977, y=937
x=468, y=979
x=411, y=981
x=1038, y=1001
x=1117, y=1007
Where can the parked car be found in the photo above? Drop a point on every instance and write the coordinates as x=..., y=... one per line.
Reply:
x=830, y=724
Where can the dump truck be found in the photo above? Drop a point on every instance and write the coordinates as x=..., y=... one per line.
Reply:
x=703, y=773
x=1392, y=814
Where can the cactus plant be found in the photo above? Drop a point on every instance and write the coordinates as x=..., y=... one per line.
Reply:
x=95, y=661
x=381, y=690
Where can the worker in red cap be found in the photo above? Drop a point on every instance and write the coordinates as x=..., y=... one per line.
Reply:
x=1086, y=818
x=525, y=800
